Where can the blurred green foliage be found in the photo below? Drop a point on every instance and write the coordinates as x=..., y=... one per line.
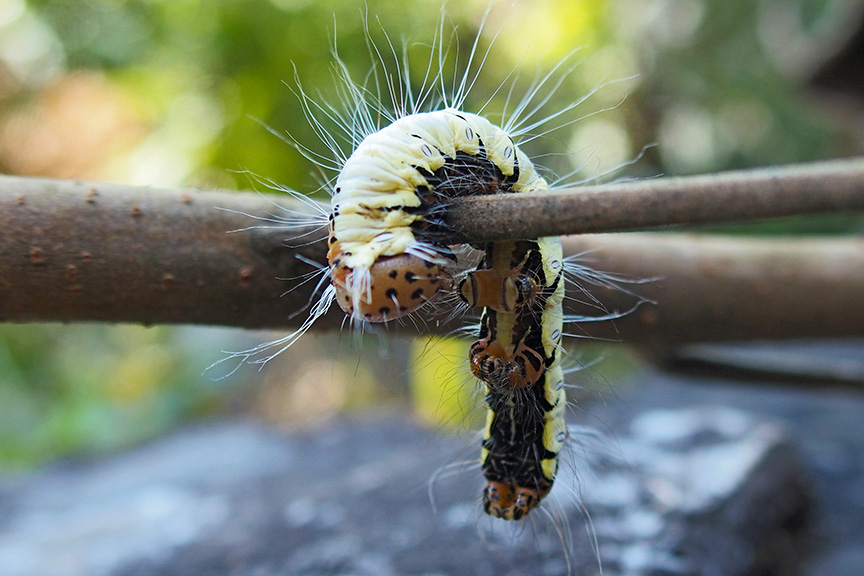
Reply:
x=89, y=388
x=706, y=85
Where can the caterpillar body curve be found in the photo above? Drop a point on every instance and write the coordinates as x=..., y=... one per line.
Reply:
x=385, y=261
x=387, y=256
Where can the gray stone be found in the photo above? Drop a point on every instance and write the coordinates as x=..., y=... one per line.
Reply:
x=694, y=491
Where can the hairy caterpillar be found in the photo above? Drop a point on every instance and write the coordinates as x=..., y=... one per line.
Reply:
x=386, y=258
x=383, y=266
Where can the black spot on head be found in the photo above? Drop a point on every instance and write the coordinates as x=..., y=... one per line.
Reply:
x=393, y=273
x=391, y=293
x=410, y=276
x=368, y=315
x=337, y=261
x=403, y=308
x=417, y=294
x=535, y=361
x=429, y=264
x=384, y=310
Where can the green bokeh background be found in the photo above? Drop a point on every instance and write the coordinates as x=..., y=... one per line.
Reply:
x=182, y=92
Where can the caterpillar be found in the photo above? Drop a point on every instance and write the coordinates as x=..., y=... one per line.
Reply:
x=383, y=266
x=386, y=256
x=516, y=356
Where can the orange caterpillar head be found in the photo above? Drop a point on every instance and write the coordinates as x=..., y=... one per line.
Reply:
x=510, y=501
x=392, y=287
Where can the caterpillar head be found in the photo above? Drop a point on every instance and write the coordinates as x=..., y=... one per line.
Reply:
x=392, y=287
x=511, y=501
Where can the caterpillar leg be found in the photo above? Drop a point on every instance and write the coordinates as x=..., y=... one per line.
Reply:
x=506, y=368
x=510, y=501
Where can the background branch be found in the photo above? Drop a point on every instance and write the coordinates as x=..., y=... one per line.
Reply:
x=75, y=251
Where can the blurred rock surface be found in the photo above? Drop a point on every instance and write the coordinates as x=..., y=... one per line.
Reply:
x=702, y=489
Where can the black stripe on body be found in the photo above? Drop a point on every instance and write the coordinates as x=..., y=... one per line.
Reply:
x=515, y=441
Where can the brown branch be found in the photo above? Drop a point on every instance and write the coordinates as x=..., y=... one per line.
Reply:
x=711, y=288
x=836, y=186
x=73, y=251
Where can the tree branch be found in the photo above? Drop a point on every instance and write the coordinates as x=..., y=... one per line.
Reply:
x=836, y=186
x=75, y=251
x=714, y=288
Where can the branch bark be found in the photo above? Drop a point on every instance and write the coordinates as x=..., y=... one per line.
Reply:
x=76, y=251
x=714, y=288
x=834, y=186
